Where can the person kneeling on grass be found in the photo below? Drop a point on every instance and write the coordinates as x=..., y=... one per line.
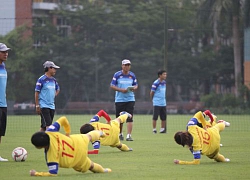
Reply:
x=67, y=151
x=201, y=141
x=111, y=130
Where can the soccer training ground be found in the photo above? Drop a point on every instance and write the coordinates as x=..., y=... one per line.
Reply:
x=152, y=158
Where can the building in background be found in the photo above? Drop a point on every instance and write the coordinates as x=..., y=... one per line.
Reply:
x=247, y=57
x=14, y=13
x=7, y=16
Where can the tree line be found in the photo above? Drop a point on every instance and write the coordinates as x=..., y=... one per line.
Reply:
x=96, y=36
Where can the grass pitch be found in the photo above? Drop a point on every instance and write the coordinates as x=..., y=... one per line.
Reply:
x=152, y=157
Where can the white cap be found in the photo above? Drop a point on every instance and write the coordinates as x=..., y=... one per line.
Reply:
x=126, y=61
x=49, y=64
x=3, y=47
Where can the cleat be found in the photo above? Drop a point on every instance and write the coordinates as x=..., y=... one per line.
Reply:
x=227, y=160
x=227, y=124
x=129, y=138
x=221, y=145
x=107, y=170
x=124, y=112
x=3, y=160
x=121, y=137
x=163, y=131
x=130, y=149
x=154, y=131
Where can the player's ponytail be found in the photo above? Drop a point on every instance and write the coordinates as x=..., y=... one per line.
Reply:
x=183, y=138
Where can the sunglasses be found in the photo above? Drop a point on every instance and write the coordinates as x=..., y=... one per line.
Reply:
x=4, y=52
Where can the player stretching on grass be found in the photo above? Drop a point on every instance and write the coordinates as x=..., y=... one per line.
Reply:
x=211, y=122
x=66, y=151
x=111, y=130
x=201, y=141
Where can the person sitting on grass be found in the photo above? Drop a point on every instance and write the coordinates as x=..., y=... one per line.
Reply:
x=66, y=151
x=201, y=141
x=111, y=130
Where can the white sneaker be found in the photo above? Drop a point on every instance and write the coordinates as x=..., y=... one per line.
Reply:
x=227, y=160
x=2, y=159
x=162, y=130
x=227, y=124
x=107, y=170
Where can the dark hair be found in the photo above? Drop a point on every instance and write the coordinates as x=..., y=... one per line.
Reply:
x=183, y=138
x=40, y=139
x=160, y=72
x=46, y=69
x=86, y=128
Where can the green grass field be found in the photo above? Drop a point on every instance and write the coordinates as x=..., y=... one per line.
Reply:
x=152, y=157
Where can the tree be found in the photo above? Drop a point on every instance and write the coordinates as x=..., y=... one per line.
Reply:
x=20, y=66
x=104, y=32
x=229, y=10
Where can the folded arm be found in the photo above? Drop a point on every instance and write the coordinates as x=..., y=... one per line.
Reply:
x=102, y=113
x=199, y=119
x=63, y=121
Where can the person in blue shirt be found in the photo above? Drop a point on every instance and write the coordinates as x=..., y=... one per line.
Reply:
x=4, y=52
x=158, y=96
x=124, y=83
x=46, y=90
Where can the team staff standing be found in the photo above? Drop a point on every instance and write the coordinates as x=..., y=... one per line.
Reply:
x=158, y=96
x=46, y=90
x=124, y=82
x=4, y=52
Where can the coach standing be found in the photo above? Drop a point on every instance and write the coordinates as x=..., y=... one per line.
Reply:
x=46, y=90
x=4, y=52
x=124, y=83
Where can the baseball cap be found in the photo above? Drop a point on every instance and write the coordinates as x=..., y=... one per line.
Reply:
x=126, y=61
x=3, y=47
x=49, y=64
